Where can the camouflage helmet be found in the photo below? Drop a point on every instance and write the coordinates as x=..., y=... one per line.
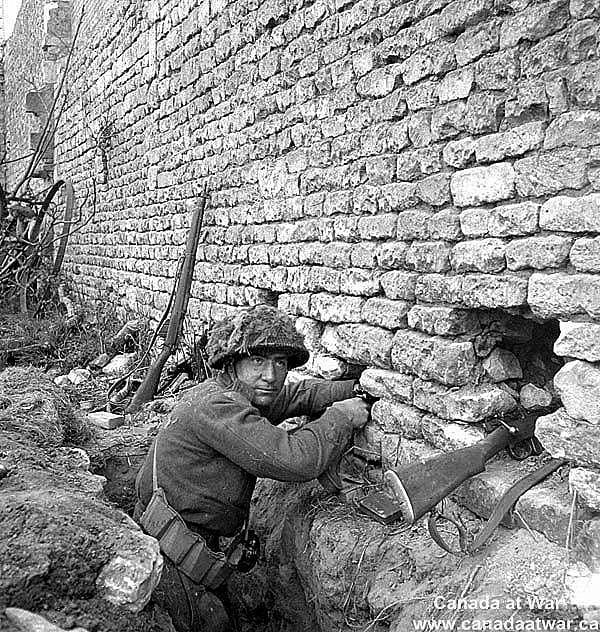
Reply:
x=257, y=329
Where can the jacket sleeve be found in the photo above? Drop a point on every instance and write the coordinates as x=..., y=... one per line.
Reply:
x=308, y=397
x=233, y=427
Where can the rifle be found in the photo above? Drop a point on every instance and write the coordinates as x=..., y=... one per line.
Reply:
x=414, y=490
x=183, y=282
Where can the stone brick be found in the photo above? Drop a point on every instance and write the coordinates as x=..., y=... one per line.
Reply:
x=419, y=129
x=399, y=285
x=421, y=95
x=416, y=163
x=470, y=404
x=397, y=197
x=513, y=142
x=480, y=255
x=581, y=9
x=294, y=304
x=585, y=254
x=578, y=385
x=455, y=85
x=586, y=483
x=570, y=214
x=549, y=251
x=449, y=436
x=448, y=120
x=581, y=129
x=459, y=153
x=310, y=330
x=532, y=397
x=399, y=418
x=485, y=290
x=583, y=84
x=563, y=295
x=414, y=224
x=391, y=255
x=477, y=41
x=552, y=171
x=380, y=169
x=359, y=344
x=434, y=59
x=579, y=340
x=501, y=221
x=388, y=384
x=442, y=321
x=378, y=226
x=480, y=185
x=535, y=23
x=502, y=365
x=498, y=71
x=429, y=357
x=445, y=225
x=430, y=256
x=458, y=15
x=384, y=312
x=567, y=438
x=379, y=82
x=484, y=112
x=356, y=281
x=336, y=309
x=435, y=190
x=328, y=367
x=437, y=288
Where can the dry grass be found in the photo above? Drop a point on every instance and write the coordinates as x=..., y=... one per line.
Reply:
x=34, y=410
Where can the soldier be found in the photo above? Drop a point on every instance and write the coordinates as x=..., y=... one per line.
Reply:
x=197, y=481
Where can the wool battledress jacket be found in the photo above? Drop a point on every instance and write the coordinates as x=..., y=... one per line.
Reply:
x=216, y=443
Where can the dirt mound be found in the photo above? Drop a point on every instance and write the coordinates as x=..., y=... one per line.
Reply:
x=63, y=548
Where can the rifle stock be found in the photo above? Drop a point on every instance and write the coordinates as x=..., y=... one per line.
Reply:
x=419, y=487
x=148, y=387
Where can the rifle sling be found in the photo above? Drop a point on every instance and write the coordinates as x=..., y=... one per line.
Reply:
x=504, y=505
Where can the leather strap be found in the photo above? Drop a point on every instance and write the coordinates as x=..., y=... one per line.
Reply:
x=504, y=505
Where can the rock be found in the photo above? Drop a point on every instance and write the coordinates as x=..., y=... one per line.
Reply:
x=514, y=142
x=535, y=23
x=579, y=340
x=384, y=312
x=329, y=367
x=459, y=153
x=105, y=420
x=579, y=129
x=493, y=290
x=480, y=255
x=100, y=361
x=567, y=438
x=360, y=344
x=548, y=251
x=449, y=436
x=132, y=574
x=398, y=418
x=336, y=309
x=583, y=586
x=455, y=85
x=474, y=43
x=586, y=483
x=389, y=384
x=120, y=365
x=581, y=9
x=549, y=172
x=585, y=254
x=428, y=256
x=480, y=185
x=498, y=71
x=562, y=295
x=448, y=120
x=470, y=404
x=501, y=221
x=578, y=385
x=399, y=285
x=533, y=397
x=29, y=622
x=442, y=321
x=502, y=365
x=581, y=214
x=62, y=380
x=450, y=362
x=79, y=376
x=310, y=330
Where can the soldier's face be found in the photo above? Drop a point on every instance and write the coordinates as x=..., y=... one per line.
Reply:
x=264, y=375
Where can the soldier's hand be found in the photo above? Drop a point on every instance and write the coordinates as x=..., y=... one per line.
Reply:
x=356, y=409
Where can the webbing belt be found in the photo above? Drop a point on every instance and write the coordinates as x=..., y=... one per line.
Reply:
x=510, y=497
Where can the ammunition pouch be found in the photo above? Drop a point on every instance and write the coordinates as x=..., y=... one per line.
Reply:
x=187, y=550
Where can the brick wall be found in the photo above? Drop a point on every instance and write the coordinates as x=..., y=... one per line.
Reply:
x=403, y=177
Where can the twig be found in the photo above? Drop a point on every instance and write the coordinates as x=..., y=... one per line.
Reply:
x=522, y=519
